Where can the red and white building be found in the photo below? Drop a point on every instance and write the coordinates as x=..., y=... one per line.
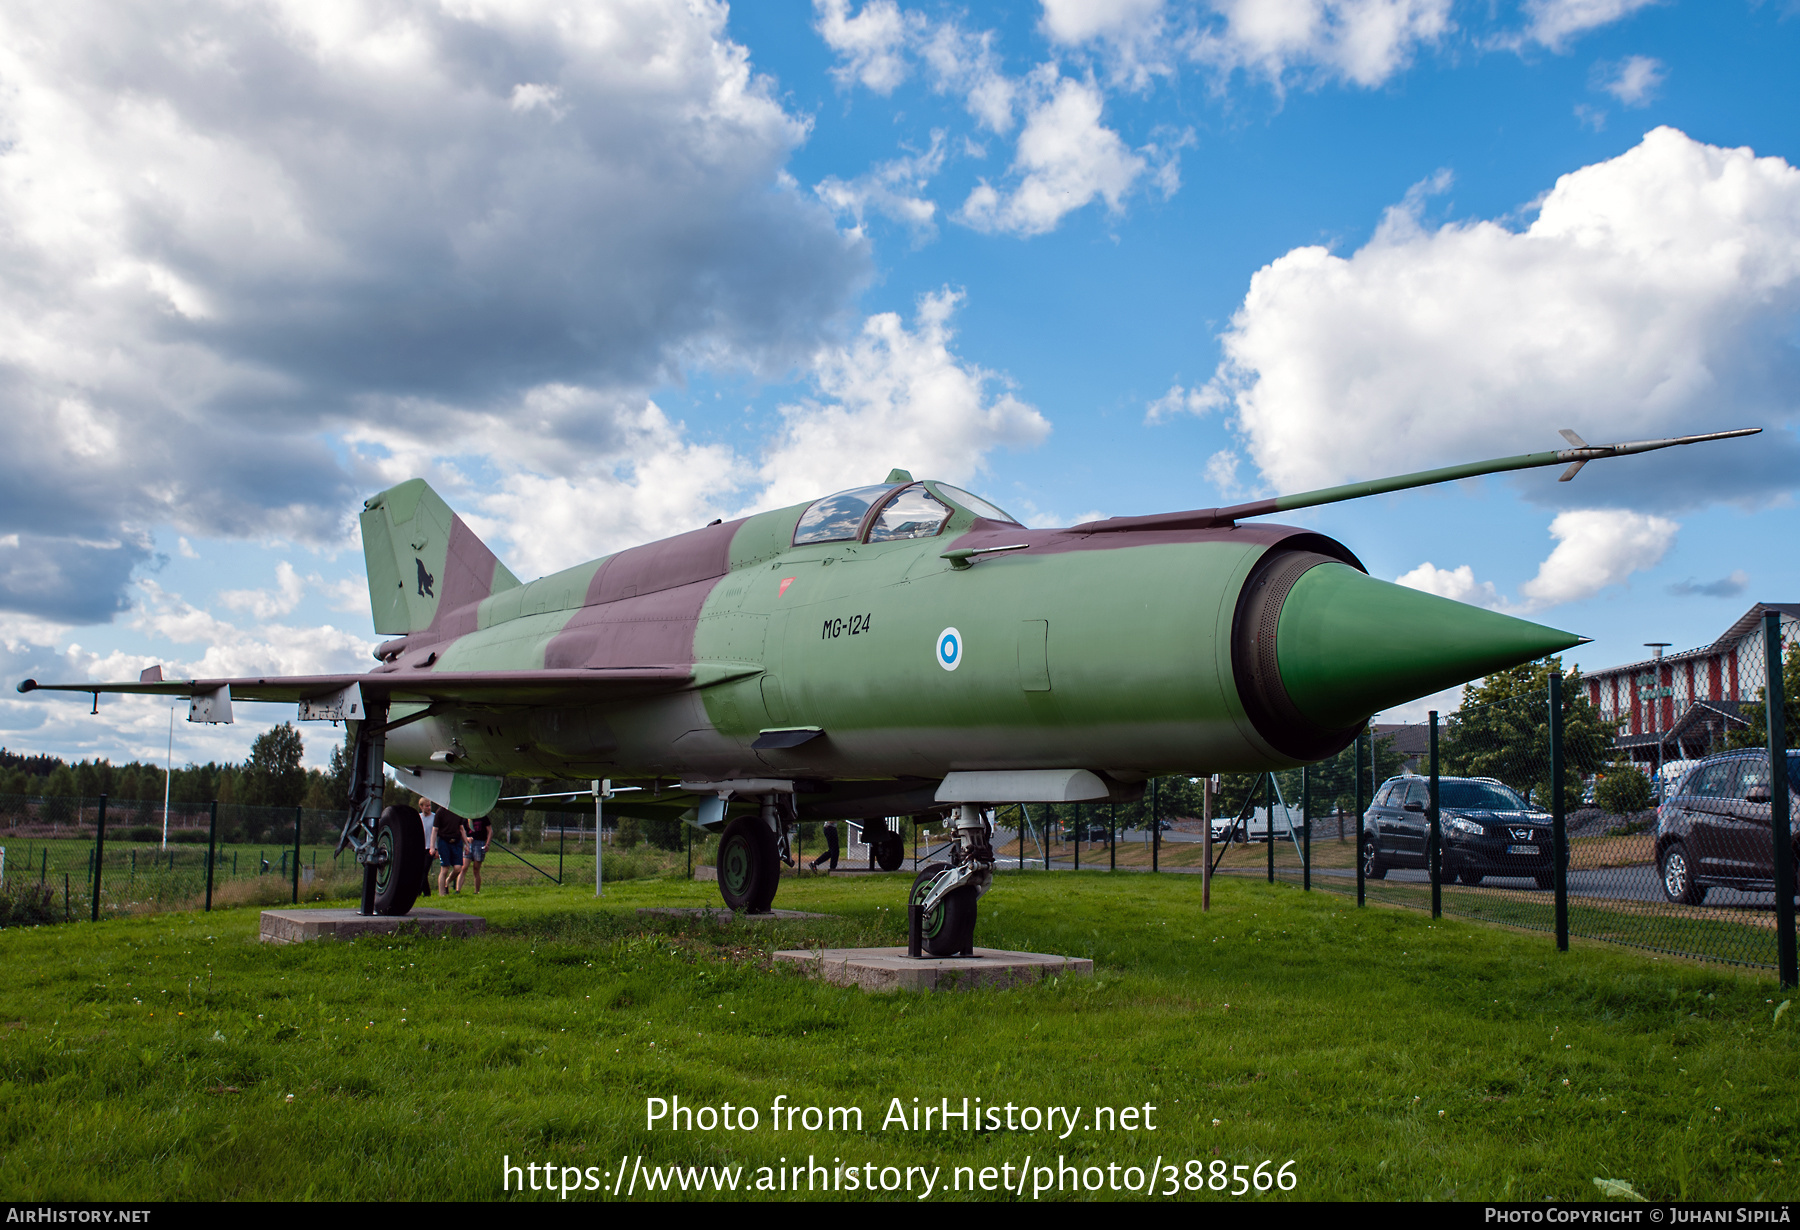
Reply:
x=1680, y=706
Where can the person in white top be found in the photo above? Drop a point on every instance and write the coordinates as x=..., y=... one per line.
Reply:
x=427, y=810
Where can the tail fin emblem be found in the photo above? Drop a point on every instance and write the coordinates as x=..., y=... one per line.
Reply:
x=425, y=579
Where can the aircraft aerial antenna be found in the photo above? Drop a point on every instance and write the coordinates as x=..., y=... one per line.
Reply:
x=1576, y=456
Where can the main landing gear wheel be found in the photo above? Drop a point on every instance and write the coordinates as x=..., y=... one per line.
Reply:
x=749, y=866
x=1373, y=867
x=890, y=854
x=400, y=836
x=948, y=929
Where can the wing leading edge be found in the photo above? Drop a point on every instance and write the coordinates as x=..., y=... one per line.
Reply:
x=591, y=685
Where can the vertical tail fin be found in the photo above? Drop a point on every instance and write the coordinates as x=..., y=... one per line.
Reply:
x=425, y=564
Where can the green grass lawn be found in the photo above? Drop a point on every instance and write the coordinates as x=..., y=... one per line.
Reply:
x=1390, y=1057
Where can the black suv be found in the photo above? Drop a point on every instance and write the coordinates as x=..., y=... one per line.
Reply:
x=1488, y=830
x=1714, y=830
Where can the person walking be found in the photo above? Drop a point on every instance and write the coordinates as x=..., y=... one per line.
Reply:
x=480, y=830
x=831, y=846
x=449, y=827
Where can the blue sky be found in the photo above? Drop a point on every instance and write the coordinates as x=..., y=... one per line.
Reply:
x=604, y=272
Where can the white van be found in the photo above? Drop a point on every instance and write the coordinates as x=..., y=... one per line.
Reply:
x=1288, y=823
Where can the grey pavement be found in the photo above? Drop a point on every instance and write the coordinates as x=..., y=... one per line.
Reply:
x=1634, y=883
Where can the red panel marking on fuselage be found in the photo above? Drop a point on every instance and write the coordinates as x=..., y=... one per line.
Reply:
x=785, y=582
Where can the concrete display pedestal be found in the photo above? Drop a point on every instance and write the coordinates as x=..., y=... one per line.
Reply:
x=890, y=969
x=724, y=915
x=298, y=926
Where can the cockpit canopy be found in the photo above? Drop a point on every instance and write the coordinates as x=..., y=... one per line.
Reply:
x=889, y=512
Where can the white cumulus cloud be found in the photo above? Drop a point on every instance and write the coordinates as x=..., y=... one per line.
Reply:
x=1655, y=294
x=234, y=233
x=1364, y=42
x=1457, y=584
x=1595, y=548
x=896, y=397
x=1066, y=159
x=1633, y=80
x=1553, y=23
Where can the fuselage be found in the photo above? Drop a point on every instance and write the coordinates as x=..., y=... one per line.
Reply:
x=1108, y=650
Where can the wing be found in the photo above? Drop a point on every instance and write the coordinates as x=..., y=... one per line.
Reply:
x=517, y=687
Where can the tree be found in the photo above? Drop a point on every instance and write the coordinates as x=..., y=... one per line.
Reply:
x=1503, y=731
x=273, y=776
x=1623, y=790
x=1756, y=734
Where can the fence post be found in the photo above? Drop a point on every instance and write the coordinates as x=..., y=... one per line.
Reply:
x=99, y=856
x=1078, y=837
x=296, y=856
x=1155, y=831
x=1780, y=819
x=1112, y=836
x=1434, y=857
x=1049, y=815
x=1559, y=827
x=212, y=848
x=1306, y=828
x=1269, y=821
x=1361, y=807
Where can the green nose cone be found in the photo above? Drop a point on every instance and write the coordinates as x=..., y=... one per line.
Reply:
x=1349, y=645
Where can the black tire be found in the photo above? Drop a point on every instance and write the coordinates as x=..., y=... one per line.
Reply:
x=397, y=881
x=890, y=854
x=749, y=867
x=1678, y=877
x=949, y=929
x=1544, y=879
x=1373, y=867
x=1470, y=877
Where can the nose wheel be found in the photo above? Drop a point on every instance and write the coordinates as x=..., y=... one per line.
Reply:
x=941, y=907
x=946, y=929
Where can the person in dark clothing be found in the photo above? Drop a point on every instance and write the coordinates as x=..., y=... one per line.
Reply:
x=449, y=831
x=831, y=846
x=480, y=830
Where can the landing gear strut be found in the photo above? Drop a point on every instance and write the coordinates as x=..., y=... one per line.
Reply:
x=941, y=908
x=389, y=841
x=751, y=854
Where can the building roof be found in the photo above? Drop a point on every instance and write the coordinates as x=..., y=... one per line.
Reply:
x=1745, y=625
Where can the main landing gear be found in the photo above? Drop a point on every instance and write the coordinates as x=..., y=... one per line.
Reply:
x=751, y=854
x=389, y=841
x=941, y=908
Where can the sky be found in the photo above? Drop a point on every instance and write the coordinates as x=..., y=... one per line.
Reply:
x=605, y=271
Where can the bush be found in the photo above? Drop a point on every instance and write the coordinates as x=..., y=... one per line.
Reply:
x=534, y=830
x=629, y=834
x=27, y=905
x=143, y=832
x=1623, y=790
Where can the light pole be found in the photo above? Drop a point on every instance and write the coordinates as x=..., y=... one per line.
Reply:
x=168, y=777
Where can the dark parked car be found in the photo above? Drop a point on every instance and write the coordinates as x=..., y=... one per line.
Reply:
x=1714, y=830
x=1487, y=829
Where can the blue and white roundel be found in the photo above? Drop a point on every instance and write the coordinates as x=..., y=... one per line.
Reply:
x=949, y=651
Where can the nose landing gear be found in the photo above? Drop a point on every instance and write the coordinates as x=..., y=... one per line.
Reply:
x=941, y=908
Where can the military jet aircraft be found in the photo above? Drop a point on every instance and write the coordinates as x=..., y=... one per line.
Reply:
x=895, y=649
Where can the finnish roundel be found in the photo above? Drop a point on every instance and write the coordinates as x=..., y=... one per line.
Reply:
x=949, y=652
